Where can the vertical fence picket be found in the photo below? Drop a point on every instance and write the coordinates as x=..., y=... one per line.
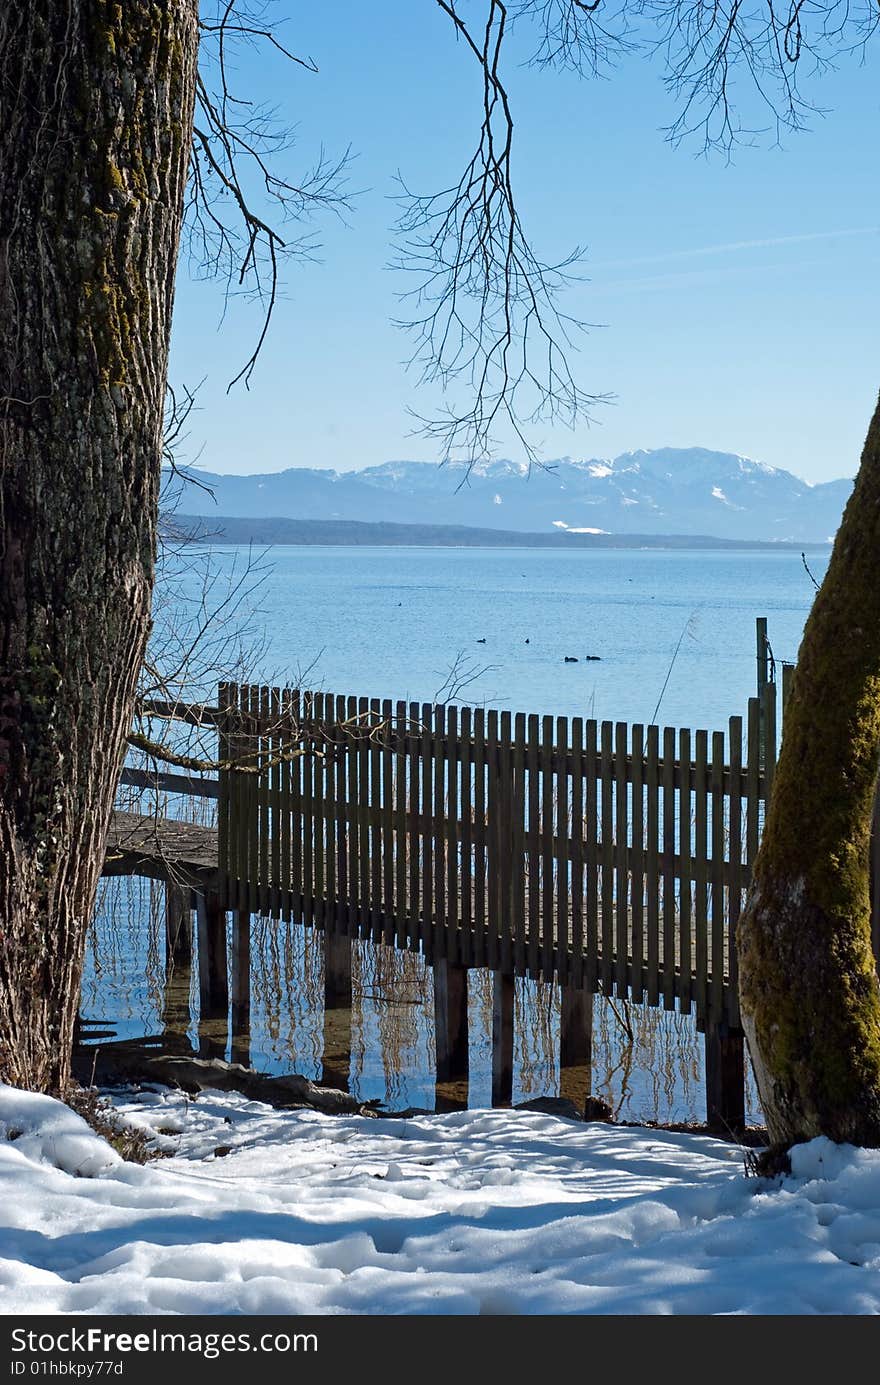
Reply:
x=637, y=889
x=275, y=803
x=607, y=851
x=307, y=709
x=374, y=720
x=466, y=912
x=427, y=745
x=576, y=975
x=547, y=848
x=494, y=838
x=401, y=902
x=685, y=885
x=319, y=883
x=718, y=911
x=480, y=855
x=701, y=851
x=563, y=849
x=518, y=847
x=413, y=741
x=440, y=815
x=669, y=910
x=591, y=830
x=734, y=876
x=533, y=834
x=621, y=854
x=453, y=858
x=652, y=863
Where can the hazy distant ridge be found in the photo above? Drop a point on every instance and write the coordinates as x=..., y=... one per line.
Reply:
x=686, y=491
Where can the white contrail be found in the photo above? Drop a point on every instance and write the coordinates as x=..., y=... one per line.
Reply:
x=733, y=245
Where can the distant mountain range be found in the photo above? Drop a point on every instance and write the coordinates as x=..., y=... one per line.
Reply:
x=669, y=490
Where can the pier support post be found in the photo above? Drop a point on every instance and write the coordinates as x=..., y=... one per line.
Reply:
x=725, y=1077
x=502, y=1039
x=337, y=970
x=241, y=986
x=450, y=1020
x=178, y=927
x=576, y=1028
x=213, y=979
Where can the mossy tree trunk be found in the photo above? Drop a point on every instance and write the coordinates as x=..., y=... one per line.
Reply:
x=96, y=104
x=808, y=982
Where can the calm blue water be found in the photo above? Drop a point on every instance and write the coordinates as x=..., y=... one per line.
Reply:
x=390, y=622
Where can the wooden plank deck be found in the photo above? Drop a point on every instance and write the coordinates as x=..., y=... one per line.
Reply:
x=163, y=849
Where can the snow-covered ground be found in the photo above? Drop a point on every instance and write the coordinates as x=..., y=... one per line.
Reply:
x=260, y=1211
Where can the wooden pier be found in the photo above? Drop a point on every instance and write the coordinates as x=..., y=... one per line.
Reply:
x=607, y=857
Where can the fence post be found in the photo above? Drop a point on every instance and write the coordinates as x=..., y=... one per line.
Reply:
x=450, y=1020
x=213, y=979
x=178, y=927
x=576, y=1028
x=725, y=1077
x=337, y=970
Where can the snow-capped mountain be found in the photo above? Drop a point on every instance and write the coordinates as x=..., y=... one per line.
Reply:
x=667, y=490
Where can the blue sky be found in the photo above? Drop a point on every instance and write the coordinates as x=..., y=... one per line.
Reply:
x=736, y=304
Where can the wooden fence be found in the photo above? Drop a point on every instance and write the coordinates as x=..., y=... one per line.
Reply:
x=612, y=857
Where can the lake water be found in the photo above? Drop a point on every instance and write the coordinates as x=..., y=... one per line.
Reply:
x=675, y=638
x=390, y=622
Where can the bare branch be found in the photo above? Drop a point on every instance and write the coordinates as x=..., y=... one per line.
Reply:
x=484, y=310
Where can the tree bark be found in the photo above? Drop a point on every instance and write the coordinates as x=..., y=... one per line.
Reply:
x=808, y=981
x=96, y=102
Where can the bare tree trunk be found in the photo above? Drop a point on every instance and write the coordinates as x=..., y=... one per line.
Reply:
x=809, y=989
x=96, y=106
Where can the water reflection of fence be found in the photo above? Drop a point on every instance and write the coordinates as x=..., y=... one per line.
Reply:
x=611, y=858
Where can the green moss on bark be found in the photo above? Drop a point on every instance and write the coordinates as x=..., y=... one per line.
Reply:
x=808, y=981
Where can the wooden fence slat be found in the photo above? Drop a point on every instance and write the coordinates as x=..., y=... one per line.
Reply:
x=427, y=831
x=718, y=910
x=388, y=805
x=224, y=754
x=307, y=707
x=364, y=860
x=734, y=889
x=637, y=858
x=505, y=843
x=621, y=871
x=576, y=973
x=253, y=809
x=401, y=898
x=669, y=910
x=375, y=830
x=275, y=804
x=533, y=837
x=563, y=846
x=481, y=867
x=466, y=911
x=414, y=756
x=591, y=830
x=440, y=817
x=753, y=779
x=341, y=914
x=518, y=846
x=701, y=851
x=319, y=800
x=494, y=813
x=453, y=861
x=652, y=863
x=547, y=891
x=352, y=755
x=685, y=920
x=265, y=742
